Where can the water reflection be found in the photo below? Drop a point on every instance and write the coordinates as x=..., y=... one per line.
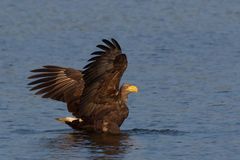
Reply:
x=69, y=144
x=98, y=146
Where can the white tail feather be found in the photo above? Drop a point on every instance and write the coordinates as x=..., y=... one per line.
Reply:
x=68, y=119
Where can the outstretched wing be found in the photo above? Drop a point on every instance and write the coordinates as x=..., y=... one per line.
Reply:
x=102, y=77
x=59, y=83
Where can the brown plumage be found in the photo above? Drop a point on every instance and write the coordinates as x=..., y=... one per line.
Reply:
x=93, y=95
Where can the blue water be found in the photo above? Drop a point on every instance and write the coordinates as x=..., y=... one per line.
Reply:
x=183, y=55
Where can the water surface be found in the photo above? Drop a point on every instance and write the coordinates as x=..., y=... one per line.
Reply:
x=183, y=55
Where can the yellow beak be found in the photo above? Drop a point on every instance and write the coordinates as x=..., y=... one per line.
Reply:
x=132, y=88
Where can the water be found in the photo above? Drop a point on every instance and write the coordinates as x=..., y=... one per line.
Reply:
x=183, y=55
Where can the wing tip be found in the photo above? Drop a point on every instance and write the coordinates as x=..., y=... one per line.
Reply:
x=115, y=42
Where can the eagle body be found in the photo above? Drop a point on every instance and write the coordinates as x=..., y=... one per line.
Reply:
x=92, y=95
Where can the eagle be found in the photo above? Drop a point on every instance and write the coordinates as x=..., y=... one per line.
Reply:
x=93, y=95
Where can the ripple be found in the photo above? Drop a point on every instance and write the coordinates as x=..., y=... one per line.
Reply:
x=57, y=131
x=218, y=105
x=135, y=131
x=224, y=91
x=25, y=131
x=155, y=131
x=4, y=138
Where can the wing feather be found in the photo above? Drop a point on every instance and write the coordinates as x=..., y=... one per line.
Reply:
x=86, y=93
x=102, y=77
x=58, y=83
